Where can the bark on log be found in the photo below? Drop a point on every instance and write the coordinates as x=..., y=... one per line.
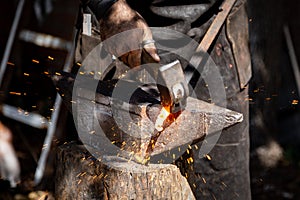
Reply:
x=79, y=176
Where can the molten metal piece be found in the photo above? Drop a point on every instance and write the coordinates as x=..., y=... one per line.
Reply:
x=163, y=115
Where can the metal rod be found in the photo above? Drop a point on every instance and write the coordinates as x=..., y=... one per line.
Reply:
x=31, y=119
x=54, y=119
x=11, y=39
x=47, y=142
x=293, y=56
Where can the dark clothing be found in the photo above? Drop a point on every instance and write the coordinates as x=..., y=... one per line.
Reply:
x=226, y=174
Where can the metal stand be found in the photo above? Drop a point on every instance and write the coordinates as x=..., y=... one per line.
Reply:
x=33, y=119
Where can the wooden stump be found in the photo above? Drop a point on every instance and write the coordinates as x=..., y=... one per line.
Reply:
x=80, y=176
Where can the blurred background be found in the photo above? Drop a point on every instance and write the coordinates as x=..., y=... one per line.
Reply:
x=38, y=34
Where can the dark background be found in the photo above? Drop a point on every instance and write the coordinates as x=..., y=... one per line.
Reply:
x=275, y=113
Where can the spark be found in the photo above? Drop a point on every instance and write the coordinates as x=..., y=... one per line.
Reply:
x=50, y=58
x=224, y=184
x=79, y=64
x=268, y=99
x=207, y=157
x=295, y=102
x=190, y=160
x=248, y=99
x=45, y=146
x=101, y=175
x=186, y=175
x=58, y=74
x=15, y=93
x=26, y=74
x=35, y=61
x=46, y=73
x=10, y=63
x=203, y=179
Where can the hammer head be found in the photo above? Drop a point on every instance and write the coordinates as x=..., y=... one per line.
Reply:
x=172, y=86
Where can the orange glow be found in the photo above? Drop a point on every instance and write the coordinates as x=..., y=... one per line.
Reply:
x=15, y=93
x=35, y=61
x=164, y=113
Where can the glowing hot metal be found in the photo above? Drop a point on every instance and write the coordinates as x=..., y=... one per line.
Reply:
x=163, y=115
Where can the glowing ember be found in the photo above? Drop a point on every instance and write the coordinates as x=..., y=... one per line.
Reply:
x=161, y=118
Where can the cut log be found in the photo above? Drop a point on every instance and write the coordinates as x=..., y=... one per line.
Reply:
x=79, y=176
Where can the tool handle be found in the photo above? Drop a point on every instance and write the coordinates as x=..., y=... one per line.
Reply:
x=148, y=59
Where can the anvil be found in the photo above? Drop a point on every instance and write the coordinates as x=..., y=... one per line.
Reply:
x=133, y=136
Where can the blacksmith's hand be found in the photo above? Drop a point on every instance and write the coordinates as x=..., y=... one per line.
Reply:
x=119, y=18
